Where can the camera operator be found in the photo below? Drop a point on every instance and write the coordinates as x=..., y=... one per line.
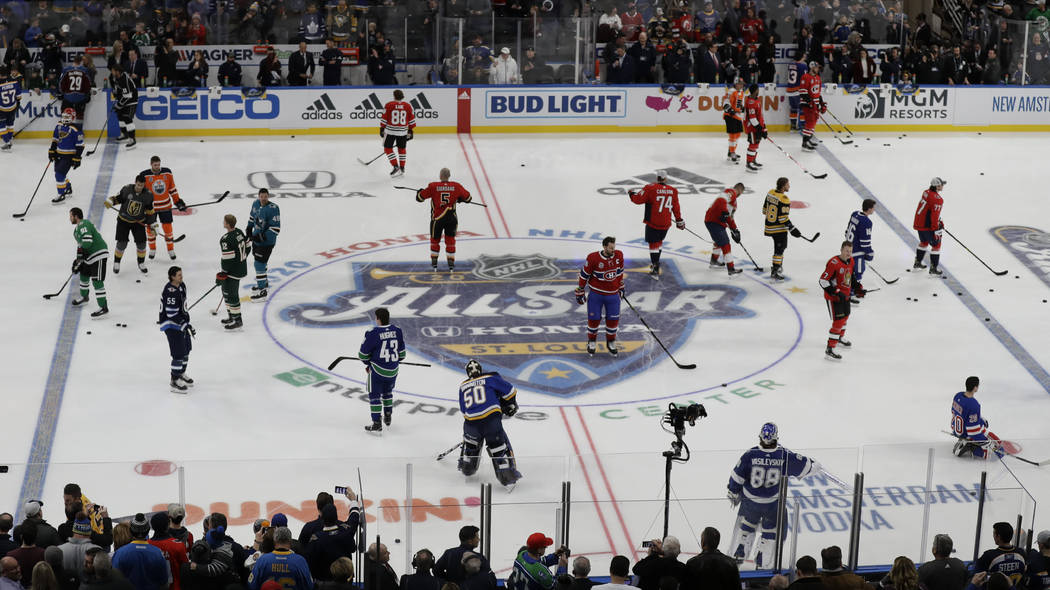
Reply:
x=678, y=63
x=661, y=561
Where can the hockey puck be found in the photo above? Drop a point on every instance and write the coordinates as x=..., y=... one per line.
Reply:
x=1017, y=276
x=868, y=138
x=1044, y=301
x=886, y=144
x=202, y=141
x=523, y=165
x=907, y=270
x=669, y=133
x=991, y=290
x=22, y=219
x=89, y=331
x=138, y=280
x=934, y=294
x=397, y=540
x=987, y=319
x=958, y=292
x=982, y=173
x=118, y=324
x=727, y=385
x=907, y=298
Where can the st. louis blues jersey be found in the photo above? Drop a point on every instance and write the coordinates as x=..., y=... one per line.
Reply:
x=67, y=140
x=759, y=471
x=173, y=314
x=859, y=232
x=480, y=397
x=966, y=417
x=383, y=350
x=264, y=223
x=10, y=90
x=796, y=70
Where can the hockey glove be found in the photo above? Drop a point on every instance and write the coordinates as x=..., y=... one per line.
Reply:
x=52, y=155
x=382, y=132
x=680, y=224
x=220, y=278
x=508, y=407
x=77, y=264
x=633, y=192
x=795, y=233
x=180, y=205
x=830, y=290
x=939, y=233
x=581, y=297
x=940, y=224
x=190, y=330
x=108, y=203
x=76, y=162
x=411, y=135
x=869, y=256
x=823, y=107
x=764, y=134
x=842, y=297
x=727, y=107
x=623, y=291
x=735, y=234
x=734, y=499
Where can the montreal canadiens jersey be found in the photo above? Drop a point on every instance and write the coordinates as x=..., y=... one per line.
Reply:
x=966, y=416
x=603, y=274
x=480, y=397
x=383, y=350
x=859, y=232
x=796, y=70
x=758, y=472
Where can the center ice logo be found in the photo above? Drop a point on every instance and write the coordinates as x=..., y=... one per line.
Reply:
x=517, y=315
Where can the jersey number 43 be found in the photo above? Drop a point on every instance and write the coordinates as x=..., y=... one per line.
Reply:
x=388, y=351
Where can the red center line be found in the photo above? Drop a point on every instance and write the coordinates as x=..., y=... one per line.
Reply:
x=463, y=147
x=587, y=478
x=601, y=469
x=492, y=193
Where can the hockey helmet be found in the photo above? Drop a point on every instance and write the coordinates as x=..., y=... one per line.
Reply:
x=661, y=174
x=937, y=182
x=473, y=369
x=815, y=65
x=769, y=434
x=68, y=115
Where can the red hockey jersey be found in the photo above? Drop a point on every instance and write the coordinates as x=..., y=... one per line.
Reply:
x=397, y=118
x=928, y=214
x=809, y=90
x=603, y=274
x=837, y=273
x=660, y=200
x=443, y=197
x=753, y=119
x=722, y=210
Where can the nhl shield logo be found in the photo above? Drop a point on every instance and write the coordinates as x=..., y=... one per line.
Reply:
x=533, y=267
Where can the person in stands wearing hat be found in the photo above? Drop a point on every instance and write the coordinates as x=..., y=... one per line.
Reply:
x=836, y=577
x=505, y=69
x=141, y=563
x=532, y=568
x=449, y=566
x=281, y=519
x=173, y=549
x=28, y=555
x=46, y=535
x=176, y=513
x=1038, y=572
x=73, y=550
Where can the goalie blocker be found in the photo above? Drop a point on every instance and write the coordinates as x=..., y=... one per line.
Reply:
x=484, y=399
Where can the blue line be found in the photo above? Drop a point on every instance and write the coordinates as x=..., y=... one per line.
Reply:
x=54, y=390
x=998, y=330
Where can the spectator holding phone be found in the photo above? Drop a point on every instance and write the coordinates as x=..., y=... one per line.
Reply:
x=532, y=568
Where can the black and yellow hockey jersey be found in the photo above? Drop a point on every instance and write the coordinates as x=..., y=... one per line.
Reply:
x=776, y=209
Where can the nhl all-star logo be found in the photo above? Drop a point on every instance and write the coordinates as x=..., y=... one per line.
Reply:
x=1029, y=245
x=517, y=315
x=687, y=183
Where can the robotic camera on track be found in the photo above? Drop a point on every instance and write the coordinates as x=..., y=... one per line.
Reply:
x=676, y=417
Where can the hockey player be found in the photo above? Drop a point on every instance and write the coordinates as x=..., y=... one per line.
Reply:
x=175, y=323
x=484, y=399
x=661, y=201
x=967, y=424
x=777, y=208
x=836, y=281
x=161, y=183
x=10, y=97
x=755, y=123
x=930, y=226
x=733, y=115
x=264, y=225
x=382, y=352
x=720, y=216
x=858, y=232
x=443, y=196
x=90, y=262
x=234, y=268
x=603, y=271
x=125, y=102
x=812, y=104
x=754, y=484
x=67, y=145
x=136, y=212
x=796, y=70
x=75, y=88
x=397, y=128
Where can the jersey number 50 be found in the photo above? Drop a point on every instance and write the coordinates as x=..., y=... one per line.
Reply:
x=474, y=395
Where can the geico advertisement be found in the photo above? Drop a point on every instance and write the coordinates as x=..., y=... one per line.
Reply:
x=554, y=104
x=201, y=107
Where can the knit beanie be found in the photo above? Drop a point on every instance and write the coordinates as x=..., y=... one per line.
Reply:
x=216, y=537
x=159, y=523
x=82, y=527
x=139, y=526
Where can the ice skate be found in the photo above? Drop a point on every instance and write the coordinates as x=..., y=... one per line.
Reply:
x=100, y=312
x=831, y=355
x=177, y=387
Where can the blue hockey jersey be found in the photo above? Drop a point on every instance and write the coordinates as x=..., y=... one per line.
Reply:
x=10, y=90
x=173, y=314
x=288, y=569
x=966, y=417
x=264, y=223
x=67, y=140
x=759, y=471
x=480, y=397
x=795, y=71
x=859, y=232
x=383, y=350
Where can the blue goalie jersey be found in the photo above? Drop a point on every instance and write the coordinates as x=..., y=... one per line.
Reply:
x=480, y=397
x=759, y=471
x=966, y=417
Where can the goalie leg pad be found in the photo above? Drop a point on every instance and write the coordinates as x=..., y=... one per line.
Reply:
x=469, y=454
x=500, y=450
x=743, y=537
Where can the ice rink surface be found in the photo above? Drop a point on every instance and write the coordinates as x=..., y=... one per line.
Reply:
x=266, y=426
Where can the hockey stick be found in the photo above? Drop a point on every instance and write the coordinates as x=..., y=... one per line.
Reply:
x=757, y=267
x=836, y=133
x=370, y=161
x=993, y=444
x=219, y=200
x=24, y=127
x=872, y=290
x=882, y=277
x=37, y=189
x=699, y=236
x=835, y=479
x=201, y=298
x=59, y=292
x=216, y=310
x=448, y=452
x=841, y=124
x=792, y=158
x=655, y=337
x=408, y=188
x=109, y=113
x=811, y=240
x=343, y=358
x=994, y=272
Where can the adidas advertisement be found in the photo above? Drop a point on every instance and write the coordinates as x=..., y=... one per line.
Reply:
x=371, y=108
x=322, y=108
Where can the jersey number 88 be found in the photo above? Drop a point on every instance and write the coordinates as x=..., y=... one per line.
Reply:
x=764, y=478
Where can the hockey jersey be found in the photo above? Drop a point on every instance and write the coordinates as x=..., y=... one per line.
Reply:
x=734, y=104
x=264, y=223
x=859, y=232
x=67, y=140
x=288, y=569
x=966, y=417
x=397, y=118
x=660, y=200
x=758, y=473
x=928, y=213
x=1008, y=561
x=383, y=350
x=836, y=276
x=173, y=314
x=796, y=70
x=1038, y=573
x=754, y=120
x=777, y=208
x=75, y=85
x=162, y=185
x=604, y=274
x=234, y=253
x=10, y=93
x=443, y=197
x=135, y=207
x=722, y=210
x=809, y=89
x=480, y=397
x=91, y=248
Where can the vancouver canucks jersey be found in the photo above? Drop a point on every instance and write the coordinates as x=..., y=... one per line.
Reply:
x=859, y=232
x=67, y=140
x=759, y=471
x=90, y=245
x=480, y=397
x=10, y=90
x=966, y=416
x=234, y=253
x=173, y=314
x=264, y=223
x=383, y=350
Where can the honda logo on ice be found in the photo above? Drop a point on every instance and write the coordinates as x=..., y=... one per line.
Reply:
x=291, y=179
